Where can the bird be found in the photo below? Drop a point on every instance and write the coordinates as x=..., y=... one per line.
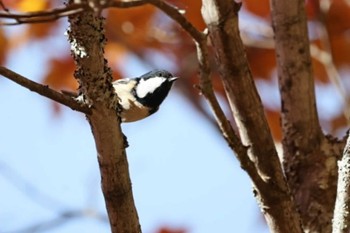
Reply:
x=141, y=97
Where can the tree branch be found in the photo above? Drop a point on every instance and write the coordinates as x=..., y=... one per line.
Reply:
x=325, y=56
x=86, y=35
x=299, y=112
x=225, y=126
x=61, y=219
x=2, y=5
x=341, y=217
x=44, y=91
x=221, y=17
x=311, y=171
x=30, y=190
x=42, y=16
x=75, y=8
x=206, y=87
x=54, y=14
x=125, y=4
x=175, y=14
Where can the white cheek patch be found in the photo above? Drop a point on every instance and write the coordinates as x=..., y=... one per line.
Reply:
x=148, y=86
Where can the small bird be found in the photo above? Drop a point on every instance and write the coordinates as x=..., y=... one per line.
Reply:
x=141, y=97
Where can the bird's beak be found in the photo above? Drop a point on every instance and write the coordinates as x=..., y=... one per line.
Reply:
x=173, y=79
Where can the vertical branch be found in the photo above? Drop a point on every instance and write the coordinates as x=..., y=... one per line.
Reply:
x=309, y=159
x=221, y=17
x=299, y=114
x=341, y=219
x=86, y=36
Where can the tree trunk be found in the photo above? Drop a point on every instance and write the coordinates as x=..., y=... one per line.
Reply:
x=309, y=157
x=86, y=35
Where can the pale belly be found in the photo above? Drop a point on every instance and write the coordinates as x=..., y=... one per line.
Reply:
x=134, y=113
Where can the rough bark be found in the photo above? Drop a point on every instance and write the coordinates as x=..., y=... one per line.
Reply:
x=86, y=35
x=341, y=219
x=309, y=156
x=221, y=17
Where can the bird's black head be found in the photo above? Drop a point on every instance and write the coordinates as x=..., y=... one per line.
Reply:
x=153, y=87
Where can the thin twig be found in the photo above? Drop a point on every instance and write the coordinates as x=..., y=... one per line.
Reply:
x=44, y=91
x=54, y=14
x=41, y=16
x=225, y=126
x=175, y=14
x=122, y=4
x=29, y=189
x=206, y=86
x=61, y=219
x=205, y=82
x=56, y=11
x=326, y=58
x=2, y=5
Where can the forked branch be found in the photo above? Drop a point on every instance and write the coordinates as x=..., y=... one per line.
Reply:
x=272, y=193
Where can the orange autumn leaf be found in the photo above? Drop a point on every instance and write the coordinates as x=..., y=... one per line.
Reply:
x=60, y=74
x=313, y=9
x=12, y=4
x=3, y=46
x=319, y=68
x=133, y=27
x=217, y=84
x=39, y=31
x=192, y=11
x=338, y=122
x=338, y=18
x=116, y=74
x=320, y=72
x=32, y=5
x=32, y=32
x=115, y=53
x=341, y=49
x=170, y=230
x=27, y=5
x=274, y=121
x=262, y=8
x=258, y=7
x=262, y=61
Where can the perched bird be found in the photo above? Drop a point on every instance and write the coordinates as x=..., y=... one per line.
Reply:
x=141, y=97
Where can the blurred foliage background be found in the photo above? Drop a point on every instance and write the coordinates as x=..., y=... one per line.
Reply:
x=145, y=37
